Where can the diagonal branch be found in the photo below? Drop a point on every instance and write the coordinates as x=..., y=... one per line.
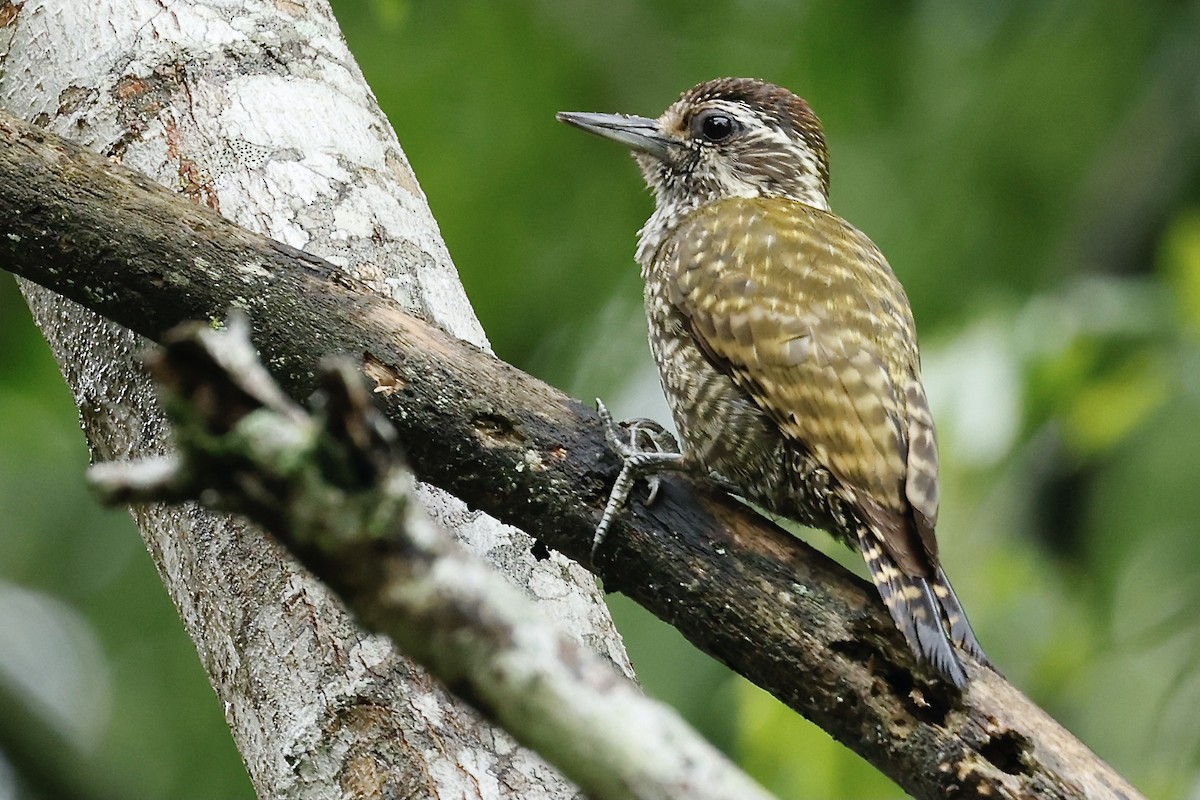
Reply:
x=737, y=586
x=332, y=487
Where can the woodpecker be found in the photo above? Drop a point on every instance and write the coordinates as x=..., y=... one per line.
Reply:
x=785, y=345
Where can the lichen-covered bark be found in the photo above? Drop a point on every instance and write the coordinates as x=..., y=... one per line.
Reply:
x=257, y=110
x=745, y=591
x=332, y=487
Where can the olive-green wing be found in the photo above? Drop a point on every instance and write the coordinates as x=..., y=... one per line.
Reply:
x=805, y=315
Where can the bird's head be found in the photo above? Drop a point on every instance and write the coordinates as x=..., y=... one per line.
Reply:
x=729, y=137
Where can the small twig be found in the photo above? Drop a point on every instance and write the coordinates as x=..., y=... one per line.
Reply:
x=152, y=480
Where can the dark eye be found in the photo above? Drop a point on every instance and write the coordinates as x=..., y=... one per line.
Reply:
x=715, y=126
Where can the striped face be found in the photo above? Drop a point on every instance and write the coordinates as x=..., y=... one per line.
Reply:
x=734, y=137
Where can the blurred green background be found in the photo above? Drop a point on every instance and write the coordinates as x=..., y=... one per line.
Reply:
x=1032, y=171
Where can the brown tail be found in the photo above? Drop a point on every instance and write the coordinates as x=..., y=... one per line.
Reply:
x=956, y=618
x=923, y=609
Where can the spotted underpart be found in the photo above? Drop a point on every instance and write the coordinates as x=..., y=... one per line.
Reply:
x=786, y=345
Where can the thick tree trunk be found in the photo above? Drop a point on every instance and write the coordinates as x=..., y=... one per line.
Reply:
x=258, y=111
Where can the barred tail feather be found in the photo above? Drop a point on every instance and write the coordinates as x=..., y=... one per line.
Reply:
x=956, y=618
x=914, y=606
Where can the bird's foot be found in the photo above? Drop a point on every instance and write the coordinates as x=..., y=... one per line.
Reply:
x=638, y=437
x=646, y=448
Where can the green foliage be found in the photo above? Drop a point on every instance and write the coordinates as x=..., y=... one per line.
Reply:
x=1029, y=169
x=134, y=699
x=797, y=759
x=1181, y=267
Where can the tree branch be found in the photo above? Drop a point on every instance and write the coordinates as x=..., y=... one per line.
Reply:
x=332, y=487
x=737, y=586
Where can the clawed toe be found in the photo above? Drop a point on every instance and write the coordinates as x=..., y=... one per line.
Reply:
x=636, y=436
x=645, y=448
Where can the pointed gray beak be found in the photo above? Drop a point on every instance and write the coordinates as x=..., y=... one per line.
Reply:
x=640, y=134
